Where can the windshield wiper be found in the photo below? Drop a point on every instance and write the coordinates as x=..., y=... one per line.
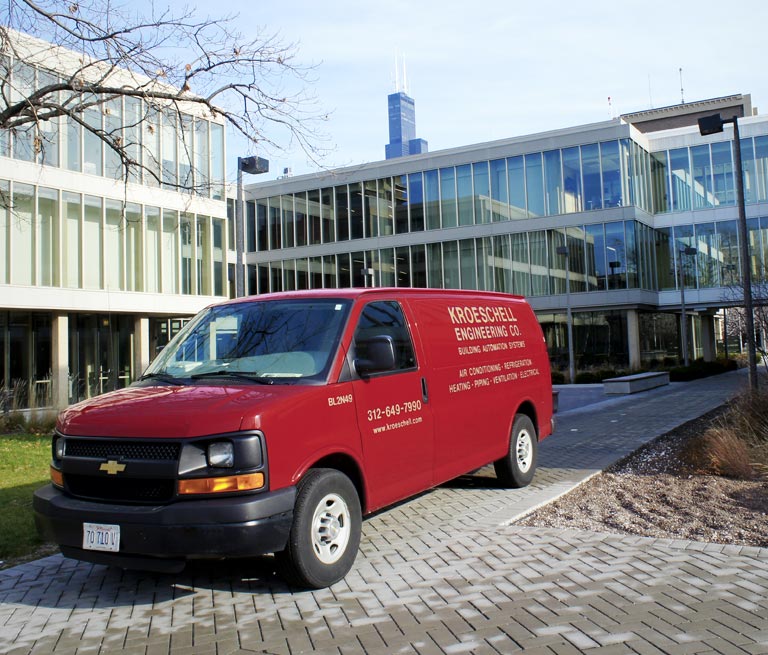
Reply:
x=251, y=377
x=163, y=377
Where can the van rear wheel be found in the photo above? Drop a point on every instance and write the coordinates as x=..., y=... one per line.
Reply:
x=516, y=469
x=325, y=535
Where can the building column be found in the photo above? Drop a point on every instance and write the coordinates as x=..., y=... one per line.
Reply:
x=708, y=342
x=141, y=345
x=60, y=361
x=633, y=338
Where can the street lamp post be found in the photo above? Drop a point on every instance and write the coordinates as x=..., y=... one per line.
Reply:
x=712, y=125
x=253, y=166
x=563, y=250
x=683, y=318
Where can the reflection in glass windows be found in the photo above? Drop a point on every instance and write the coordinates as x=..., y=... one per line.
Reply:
x=596, y=261
x=722, y=174
x=553, y=182
x=680, y=179
x=401, y=204
x=482, y=192
x=432, y=199
x=435, y=265
x=572, y=193
x=416, y=201
x=590, y=166
x=499, y=192
x=611, y=173
x=448, y=203
x=534, y=184
x=616, y=253
x=403, y=267
x=468, y=264
x=702, y=177
x=464, y=194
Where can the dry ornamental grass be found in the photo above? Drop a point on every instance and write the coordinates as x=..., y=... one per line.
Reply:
x=705, y=481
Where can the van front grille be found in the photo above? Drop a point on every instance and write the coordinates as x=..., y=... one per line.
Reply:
x=126, y=490
x=113, y=449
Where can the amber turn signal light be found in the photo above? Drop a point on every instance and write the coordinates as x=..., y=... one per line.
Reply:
x=57, y=477
x=222, y=485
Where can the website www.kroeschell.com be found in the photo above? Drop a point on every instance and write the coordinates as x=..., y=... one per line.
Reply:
x=399, y=424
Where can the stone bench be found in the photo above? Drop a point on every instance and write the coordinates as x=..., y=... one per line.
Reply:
x=634, y=383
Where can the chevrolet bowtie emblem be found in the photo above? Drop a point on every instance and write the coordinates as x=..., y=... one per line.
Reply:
x=112, y=467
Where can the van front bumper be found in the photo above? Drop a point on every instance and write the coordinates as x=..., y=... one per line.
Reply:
x=164, y=537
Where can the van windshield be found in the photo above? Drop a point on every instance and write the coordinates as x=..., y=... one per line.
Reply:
x=275, y=341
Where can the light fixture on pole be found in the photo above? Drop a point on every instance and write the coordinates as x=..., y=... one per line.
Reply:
x=683, y=318
x=563, y=250
x=713, y=125
x=253, y=166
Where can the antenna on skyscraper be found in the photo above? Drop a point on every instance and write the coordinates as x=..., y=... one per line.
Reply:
x=397, y=72
x=405, y=77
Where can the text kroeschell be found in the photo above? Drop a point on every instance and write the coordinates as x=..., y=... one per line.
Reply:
x=474, y=321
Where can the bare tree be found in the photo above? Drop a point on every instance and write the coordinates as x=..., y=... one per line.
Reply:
x=733, y=295
x=171, y=68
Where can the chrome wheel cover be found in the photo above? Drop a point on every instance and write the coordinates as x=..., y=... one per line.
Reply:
x=331, y=528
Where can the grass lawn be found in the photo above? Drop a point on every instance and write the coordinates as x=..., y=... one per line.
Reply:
x=24, y=462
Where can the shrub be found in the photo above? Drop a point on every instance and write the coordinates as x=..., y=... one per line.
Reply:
x=606, y=373
x=736, y=445
x=36, y=422
x=719, y=451
x=701, y=369
x=587, y=377
x=558, y=377
x=747, y=417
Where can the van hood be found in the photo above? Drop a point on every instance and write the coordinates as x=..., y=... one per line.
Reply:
x=173, y=411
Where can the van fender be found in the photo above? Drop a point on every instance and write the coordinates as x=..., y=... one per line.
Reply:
x=526, y=406
x=342, y=459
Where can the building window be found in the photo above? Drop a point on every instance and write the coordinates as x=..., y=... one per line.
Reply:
x=48, y=238
x=21, y=234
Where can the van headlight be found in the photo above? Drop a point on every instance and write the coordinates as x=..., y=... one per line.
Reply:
x=59, y=448
x=221, y=454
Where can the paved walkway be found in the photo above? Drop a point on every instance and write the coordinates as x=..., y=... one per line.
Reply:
x=443, y=573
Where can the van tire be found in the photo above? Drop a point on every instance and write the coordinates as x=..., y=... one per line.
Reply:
x=517, y=467
x=325, y=534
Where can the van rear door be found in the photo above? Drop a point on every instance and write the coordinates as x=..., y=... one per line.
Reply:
x=393, y=412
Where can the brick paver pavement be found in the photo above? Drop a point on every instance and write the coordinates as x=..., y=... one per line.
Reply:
x=443, y=573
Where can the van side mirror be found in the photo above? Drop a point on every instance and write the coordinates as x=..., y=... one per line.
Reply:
x=379, y=355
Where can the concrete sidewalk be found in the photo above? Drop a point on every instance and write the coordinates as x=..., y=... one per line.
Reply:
x=443, y=573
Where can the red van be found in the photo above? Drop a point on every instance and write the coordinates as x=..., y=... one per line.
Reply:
x=270, y=424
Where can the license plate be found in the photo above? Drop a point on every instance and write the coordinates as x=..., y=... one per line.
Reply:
x=101, y=536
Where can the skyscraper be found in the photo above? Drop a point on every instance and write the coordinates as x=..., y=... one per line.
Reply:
x=402, y=123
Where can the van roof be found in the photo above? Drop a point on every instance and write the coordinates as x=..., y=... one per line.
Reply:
x=357, y=292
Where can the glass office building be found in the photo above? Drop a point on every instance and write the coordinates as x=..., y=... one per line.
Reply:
x=627, y=197
x=97, y=271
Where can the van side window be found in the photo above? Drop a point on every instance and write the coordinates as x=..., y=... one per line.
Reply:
x=385, y=318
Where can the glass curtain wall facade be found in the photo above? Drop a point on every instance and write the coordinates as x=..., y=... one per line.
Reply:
x=54, y=238
x=175, y=152
x=497, y=203
x=63, y=236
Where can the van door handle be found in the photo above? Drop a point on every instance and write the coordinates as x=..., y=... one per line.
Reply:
x=424, y=392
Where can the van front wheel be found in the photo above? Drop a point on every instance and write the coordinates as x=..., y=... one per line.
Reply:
x=325, y=535
x=516, y=469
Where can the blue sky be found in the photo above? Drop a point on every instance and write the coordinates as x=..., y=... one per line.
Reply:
x=481, y=70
